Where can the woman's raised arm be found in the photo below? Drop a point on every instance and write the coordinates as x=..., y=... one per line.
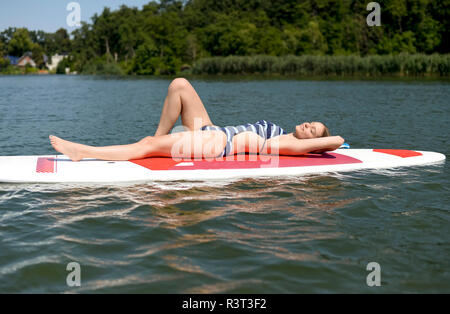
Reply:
x=290, y=145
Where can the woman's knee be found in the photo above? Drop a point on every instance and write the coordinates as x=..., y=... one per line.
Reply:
x=146, y=141
x=179, y=84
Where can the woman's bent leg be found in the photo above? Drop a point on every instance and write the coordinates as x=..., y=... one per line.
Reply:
x=182, y=99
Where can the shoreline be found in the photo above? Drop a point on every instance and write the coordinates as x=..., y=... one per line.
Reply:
x=252, y=77
x=402, y=66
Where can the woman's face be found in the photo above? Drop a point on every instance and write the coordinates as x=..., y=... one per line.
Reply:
x=309, y=130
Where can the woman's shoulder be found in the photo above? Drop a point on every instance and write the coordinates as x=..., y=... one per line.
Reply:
x=282, y=137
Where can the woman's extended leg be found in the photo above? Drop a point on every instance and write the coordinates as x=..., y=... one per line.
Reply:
x=204, y=144
x=182, y=99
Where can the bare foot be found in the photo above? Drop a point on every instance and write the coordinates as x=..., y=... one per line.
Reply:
x=70, y=149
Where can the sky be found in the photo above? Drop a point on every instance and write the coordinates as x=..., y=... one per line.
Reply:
x=50, y=15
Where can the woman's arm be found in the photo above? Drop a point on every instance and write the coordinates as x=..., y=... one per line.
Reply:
x=290, y=145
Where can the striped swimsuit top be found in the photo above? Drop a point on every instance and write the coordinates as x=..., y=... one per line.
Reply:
x=263, y=128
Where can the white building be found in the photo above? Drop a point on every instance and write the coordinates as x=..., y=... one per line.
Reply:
x=56, y=59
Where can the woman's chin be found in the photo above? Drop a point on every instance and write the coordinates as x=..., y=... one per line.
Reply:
x=298, y=135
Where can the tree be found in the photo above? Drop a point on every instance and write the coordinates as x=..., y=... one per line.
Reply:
x=20, y=43
x=146, y=61
x=439, y=11
x=62, y=41
x=104, y=31
x=192, y=47
x=165, y=34
x=7, y=34
x=311, y=41
x=428, y=37
x=401, y=43
x=2, y=49
x=4, y=63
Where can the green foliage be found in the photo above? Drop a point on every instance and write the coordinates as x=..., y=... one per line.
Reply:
x=11, y=70
x=38, y=55
x=30, y=70
x=146, y=61
x=100, y=67
x=2, y=49
x=309, y=40
x=428, y=38
x=162, y=36
x=165, y=35
x=62, y=65
x=402, y=64
x=20, y=43
x=4, y=63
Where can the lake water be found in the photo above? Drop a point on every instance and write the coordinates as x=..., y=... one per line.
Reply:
x=281, y=235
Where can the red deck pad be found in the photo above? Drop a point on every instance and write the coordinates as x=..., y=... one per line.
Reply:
x=46, y=165
x=155, y=163
x=398, y=152
x=247, y=162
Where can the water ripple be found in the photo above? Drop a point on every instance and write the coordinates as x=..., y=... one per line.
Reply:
x=315, y=233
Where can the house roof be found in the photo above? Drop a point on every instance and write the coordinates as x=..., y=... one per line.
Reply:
x=26, y=57
x=13, y=60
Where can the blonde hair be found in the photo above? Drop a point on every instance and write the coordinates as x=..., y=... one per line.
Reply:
x=326, y=131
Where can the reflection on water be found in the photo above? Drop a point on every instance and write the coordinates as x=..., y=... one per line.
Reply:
x=185, y=205
x=272, y=221
x=213, y=239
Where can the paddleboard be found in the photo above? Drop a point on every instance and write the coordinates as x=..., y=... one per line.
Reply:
x=59, y=168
